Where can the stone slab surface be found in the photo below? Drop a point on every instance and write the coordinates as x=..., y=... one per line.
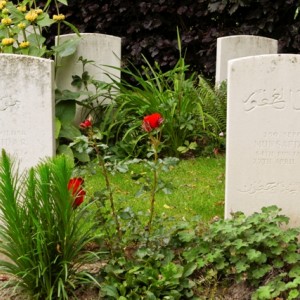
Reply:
x=237, y=46
x=263, y=135
x=104, y=50
x=27, y=108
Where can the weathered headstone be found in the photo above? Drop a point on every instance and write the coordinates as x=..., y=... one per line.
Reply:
x=27, y=108
x=237, y=46
x=103, y=50
x=263, y=135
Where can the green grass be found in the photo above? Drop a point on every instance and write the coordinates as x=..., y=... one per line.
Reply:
x=197, y=189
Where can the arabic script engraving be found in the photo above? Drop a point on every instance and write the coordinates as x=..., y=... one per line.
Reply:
x=8, y=103
x=270, y=186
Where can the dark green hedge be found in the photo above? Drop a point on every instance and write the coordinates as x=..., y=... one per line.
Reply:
x=149, y=27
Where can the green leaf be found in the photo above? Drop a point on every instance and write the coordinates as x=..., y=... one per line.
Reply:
x=65, y=111
x=293, y=294
x=65, y=150
x=73, y=28
x=189, y=269
x=295, y=271
x=16, y=15
x=186, y=236
x=171, y=270
x=67, y=47
x=292, y=258
x=182, y=149
x=263, y=293
x=110, y=290
x=66, y=95
x=69, y=131
x=65, y=2
x=261, y=271
x=83, y=157
x=57, y=127
x=256, y=256
x=36, y=40
x=241, y=267
x=45, y=21
x=150, y=296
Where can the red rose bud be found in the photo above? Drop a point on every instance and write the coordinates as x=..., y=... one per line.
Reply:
x=86, y=124
x=75, y=187
x=79, y=198
x=152, y=121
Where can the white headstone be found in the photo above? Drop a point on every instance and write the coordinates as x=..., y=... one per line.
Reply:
x=263, y=135
x=237, y=46
x=27, y=108
x=103, y=50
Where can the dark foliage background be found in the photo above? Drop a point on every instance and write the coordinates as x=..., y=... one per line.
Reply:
x=149, y=27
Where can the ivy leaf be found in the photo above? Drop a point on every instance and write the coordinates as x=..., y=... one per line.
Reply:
x=260, y=272
x=293, y=294
x=291, y=258
x=263, y=293
x=295, y=272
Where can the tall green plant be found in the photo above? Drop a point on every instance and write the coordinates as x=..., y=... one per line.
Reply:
x=43, y=231
x=176, y=95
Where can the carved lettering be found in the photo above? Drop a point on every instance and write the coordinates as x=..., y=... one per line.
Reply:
x=8, y=103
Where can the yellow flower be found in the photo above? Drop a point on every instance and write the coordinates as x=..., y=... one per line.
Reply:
x=31, y=16
x=2, y=4
x=6, y=21
x=24, y=45
x=7, y=41
x=59, y=17
x=22, y=8
x=22, y=25
x=38, y=11
x=5, y=11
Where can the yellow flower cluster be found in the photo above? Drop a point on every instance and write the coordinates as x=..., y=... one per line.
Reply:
x=22, y=8
x=22, y=25
x=38, y=11
x=6, y=21
x=2, y=4
x=59, y=17
x=31, y=16
x=7, y=41
x=24, y=45
x=5, y=11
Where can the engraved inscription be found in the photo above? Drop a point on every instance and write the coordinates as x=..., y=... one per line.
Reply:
x=276, y=98
x=270, y=187
x=15, y=138
x=279, y=148
x=261, y=97
x=8, y=103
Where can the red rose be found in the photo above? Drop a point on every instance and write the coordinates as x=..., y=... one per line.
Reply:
x=152, y=121
x=75, y=187
x=86, y=124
